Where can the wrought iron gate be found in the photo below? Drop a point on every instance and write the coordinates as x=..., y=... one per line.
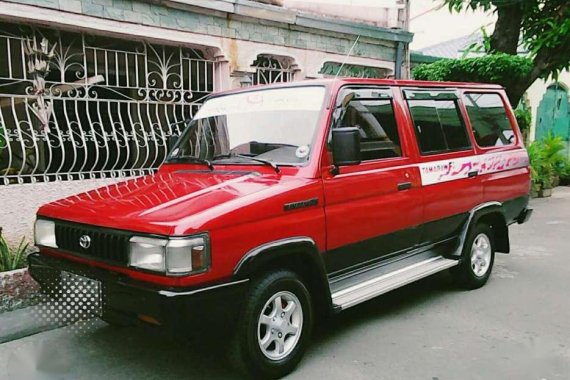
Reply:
x=76, y=106
x=272, y=69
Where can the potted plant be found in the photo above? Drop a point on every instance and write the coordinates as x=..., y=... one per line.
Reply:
x=12, y=258
x=554, y=158
x=547, y=184
x=535, y=158
x=547, y=165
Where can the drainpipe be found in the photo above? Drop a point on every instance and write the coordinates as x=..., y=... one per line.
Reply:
x=399, y=60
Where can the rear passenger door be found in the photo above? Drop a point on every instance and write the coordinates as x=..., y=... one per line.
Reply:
x=503, y=159
x=372, y=209
x=447, y=163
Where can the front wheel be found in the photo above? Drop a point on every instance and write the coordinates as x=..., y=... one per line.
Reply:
x=275, y=326
x=478, y=258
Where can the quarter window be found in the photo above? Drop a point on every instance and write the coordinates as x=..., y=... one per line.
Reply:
x=438, y=125
x=378, y=129
x=489, y=120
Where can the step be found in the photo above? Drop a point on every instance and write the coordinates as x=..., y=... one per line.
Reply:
x=369, y=288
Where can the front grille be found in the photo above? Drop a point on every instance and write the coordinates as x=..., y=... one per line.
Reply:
x=105, y=244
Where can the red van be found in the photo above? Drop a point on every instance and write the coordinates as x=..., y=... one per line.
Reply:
x=281, y=204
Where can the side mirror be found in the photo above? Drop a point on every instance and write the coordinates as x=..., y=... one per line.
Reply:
x=346, y=146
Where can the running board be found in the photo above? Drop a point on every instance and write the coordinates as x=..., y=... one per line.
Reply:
x=372, y=287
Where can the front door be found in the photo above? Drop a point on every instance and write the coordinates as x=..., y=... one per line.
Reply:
x=373, y=209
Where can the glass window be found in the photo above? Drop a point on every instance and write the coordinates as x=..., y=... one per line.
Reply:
x=438, y=125
x=489, y=120
x=378, y=129
x=276, y=125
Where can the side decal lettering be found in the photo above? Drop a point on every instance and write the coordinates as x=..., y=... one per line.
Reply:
x=458, y=168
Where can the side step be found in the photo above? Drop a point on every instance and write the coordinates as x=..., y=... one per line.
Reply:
x=385, y=282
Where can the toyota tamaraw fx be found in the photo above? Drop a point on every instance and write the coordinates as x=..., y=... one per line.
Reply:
x=279, y=204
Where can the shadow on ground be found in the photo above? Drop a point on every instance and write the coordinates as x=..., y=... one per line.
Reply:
x=145, y=353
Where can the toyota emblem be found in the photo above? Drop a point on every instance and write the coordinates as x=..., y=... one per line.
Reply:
x=85, y=241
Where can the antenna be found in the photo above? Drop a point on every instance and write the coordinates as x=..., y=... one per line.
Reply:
x=346, y=57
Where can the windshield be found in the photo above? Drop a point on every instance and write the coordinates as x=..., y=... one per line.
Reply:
x=275, y=125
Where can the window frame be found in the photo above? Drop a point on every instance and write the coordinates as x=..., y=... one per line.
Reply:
x=510, y=117
x=388, y=94
x=448, y=94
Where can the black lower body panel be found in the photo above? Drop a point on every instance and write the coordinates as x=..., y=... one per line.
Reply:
x=175, y=309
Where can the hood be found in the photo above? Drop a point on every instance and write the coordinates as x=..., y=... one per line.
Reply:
x=176, y=202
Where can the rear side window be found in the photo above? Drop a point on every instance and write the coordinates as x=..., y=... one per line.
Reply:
x=377, y=126
x=438, y=125
x=489, y=120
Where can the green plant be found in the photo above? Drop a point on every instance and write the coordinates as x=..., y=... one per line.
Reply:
x=542, y=27
x=547, y=161
x=553, y=151
x=12, y=258
x=504, y=69
x=535, y=158
x=524, y=119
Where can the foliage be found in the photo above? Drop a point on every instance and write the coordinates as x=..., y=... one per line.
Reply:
x=502, y=69
x=547, y=161
x=524, y=119
x=12, y=258
x=478, y=47
x=553, y=151
x=543, y=27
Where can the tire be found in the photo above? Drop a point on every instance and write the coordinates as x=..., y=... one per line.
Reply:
x=477, y=259
x=246, y=352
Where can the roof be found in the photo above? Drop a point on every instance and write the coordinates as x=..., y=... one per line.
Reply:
x=455, y=47
x=331, y=82
x=452, y=48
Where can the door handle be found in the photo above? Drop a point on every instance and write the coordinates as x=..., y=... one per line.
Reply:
x=404, y=186
x=474, y=173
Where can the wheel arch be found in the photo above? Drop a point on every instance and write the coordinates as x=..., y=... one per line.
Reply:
x=495, y=218
x=493, y=214
x=298, y=254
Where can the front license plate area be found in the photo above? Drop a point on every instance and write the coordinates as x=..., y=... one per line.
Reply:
x=81, y=295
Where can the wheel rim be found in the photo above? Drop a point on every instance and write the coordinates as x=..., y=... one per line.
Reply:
x=280, y=325
x=481, y=255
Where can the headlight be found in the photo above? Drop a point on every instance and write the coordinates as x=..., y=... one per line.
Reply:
x=44, y=233
x=175, y=256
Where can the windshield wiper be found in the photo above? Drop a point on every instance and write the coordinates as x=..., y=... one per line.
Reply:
x=243, y=156
x=192, y=160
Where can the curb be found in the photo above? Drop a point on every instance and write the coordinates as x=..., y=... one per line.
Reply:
x=21, y=323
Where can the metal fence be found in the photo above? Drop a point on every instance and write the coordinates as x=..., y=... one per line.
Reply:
x=75, y=106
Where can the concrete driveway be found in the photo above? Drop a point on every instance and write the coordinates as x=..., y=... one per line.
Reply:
x=516, y=327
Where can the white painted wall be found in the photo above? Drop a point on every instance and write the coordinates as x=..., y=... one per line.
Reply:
x=19, y=203
x=382, y=13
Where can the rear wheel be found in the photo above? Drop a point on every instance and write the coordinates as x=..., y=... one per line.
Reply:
x=478, y=258
x=275, y=326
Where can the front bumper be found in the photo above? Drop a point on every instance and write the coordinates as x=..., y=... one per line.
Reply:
x=135, y=300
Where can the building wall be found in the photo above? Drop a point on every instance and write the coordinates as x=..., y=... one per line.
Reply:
x=234, y=33
x=384, y=13
x=21, y=202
